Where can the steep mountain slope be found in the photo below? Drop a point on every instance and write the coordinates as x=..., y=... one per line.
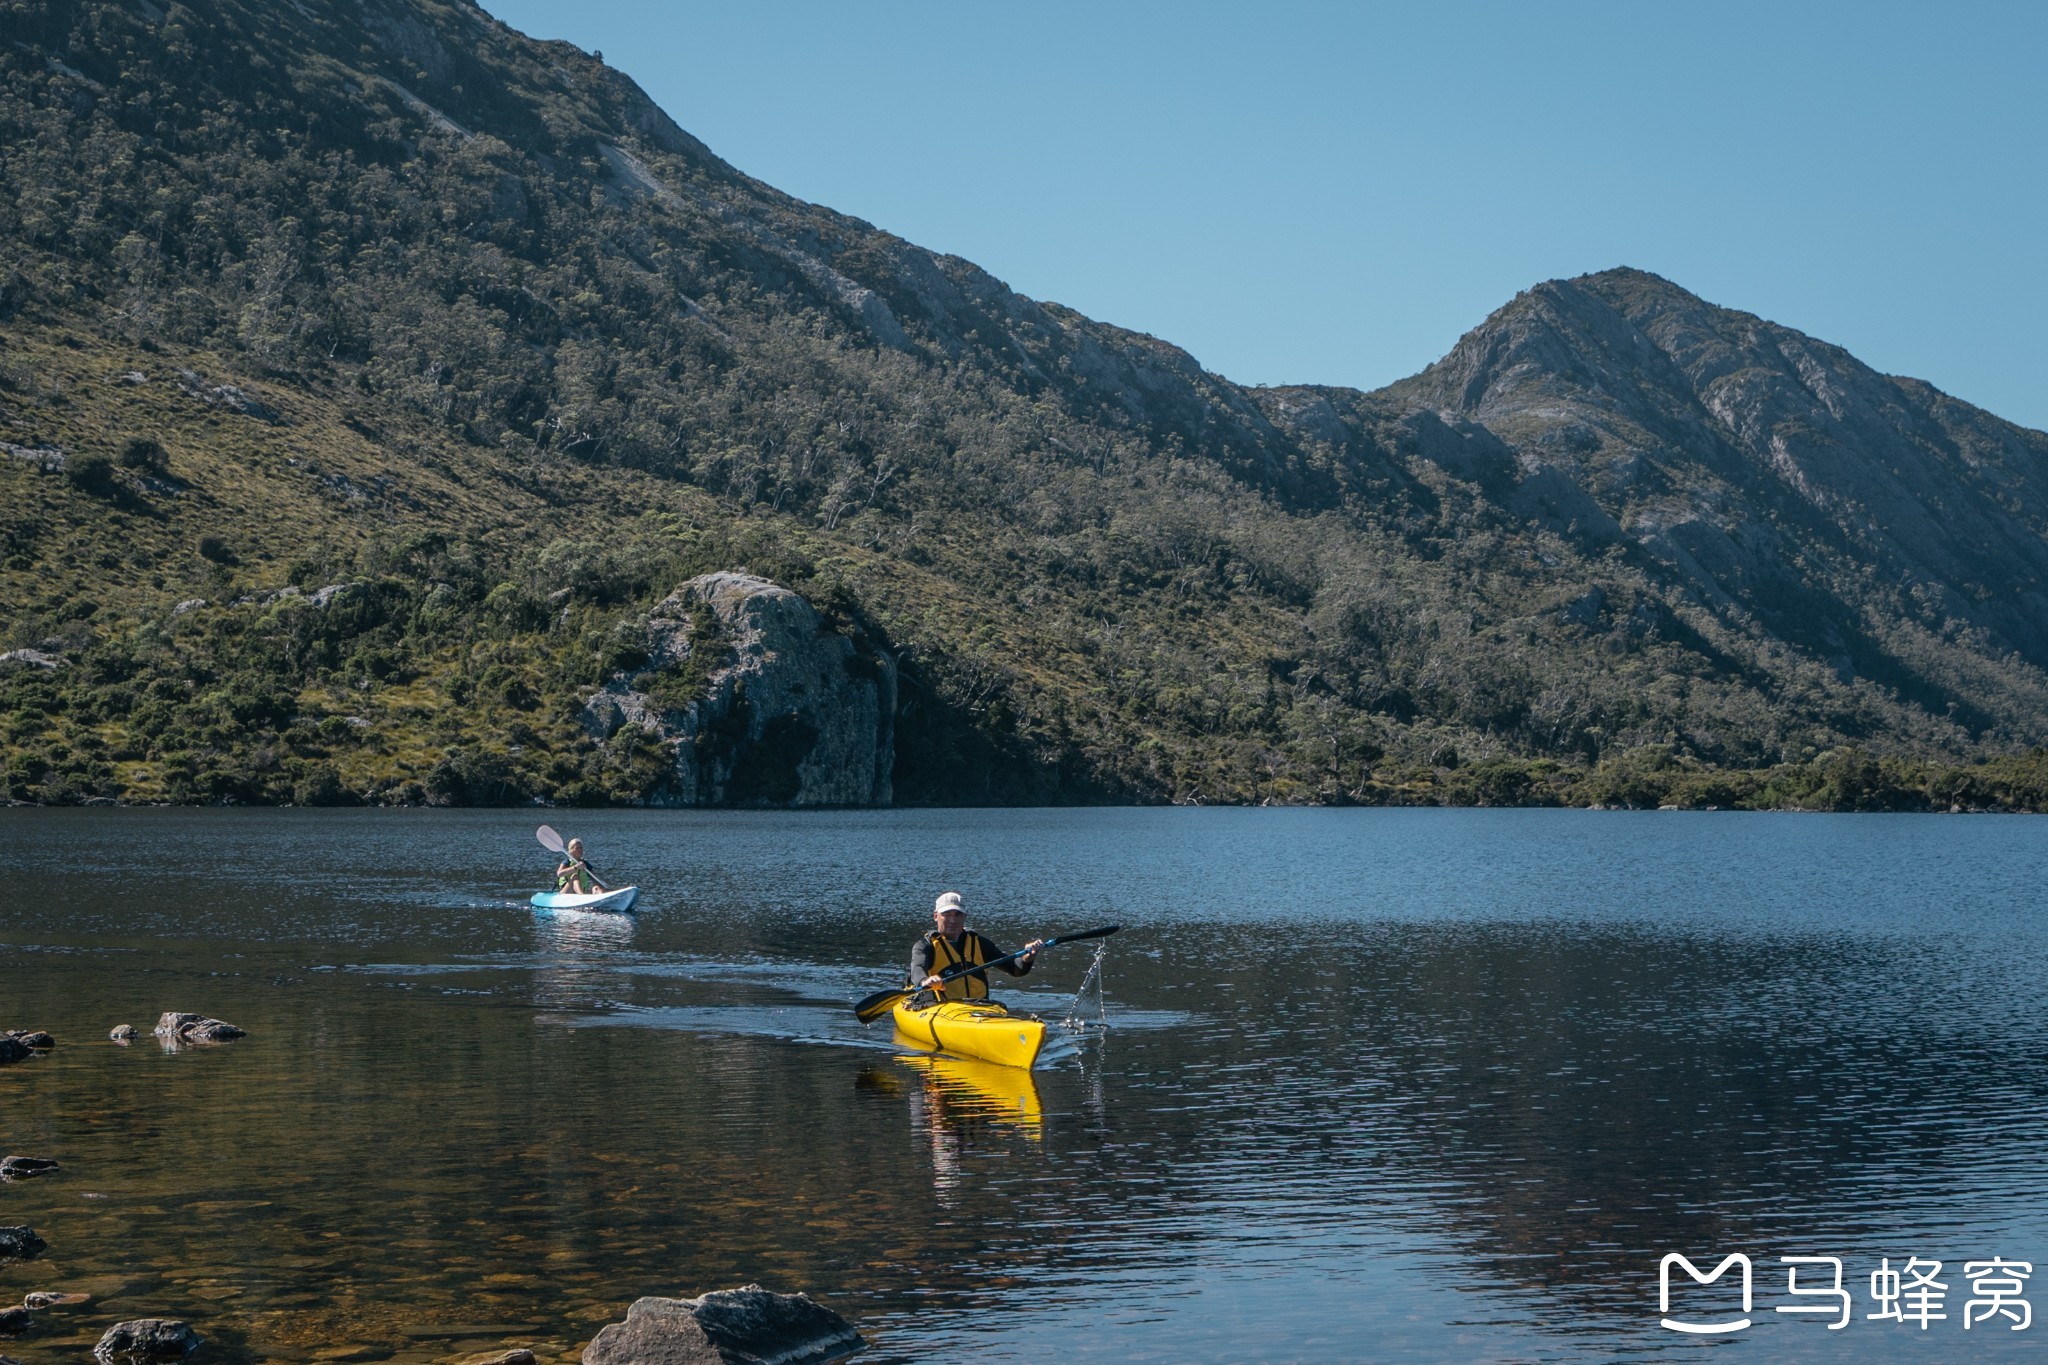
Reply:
x=381, y=293
x=1874, y=521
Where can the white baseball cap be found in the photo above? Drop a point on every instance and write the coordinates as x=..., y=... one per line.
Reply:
x=949, y=901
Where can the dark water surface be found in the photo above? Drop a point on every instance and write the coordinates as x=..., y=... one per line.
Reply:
x=1432, y=1085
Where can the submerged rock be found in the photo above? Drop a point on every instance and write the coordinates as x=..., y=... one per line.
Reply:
x=196, y=1028
x=47, y=1298
x=122, y=1033
x=745, y=1326
x=18, y=1044
x=24, y=1167
x=517, y=1356
x=15, y=1321
x=20, y=1243
x=754, y=700
x=147, y=1339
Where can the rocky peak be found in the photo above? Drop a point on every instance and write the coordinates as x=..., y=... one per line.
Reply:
x=1736, y=449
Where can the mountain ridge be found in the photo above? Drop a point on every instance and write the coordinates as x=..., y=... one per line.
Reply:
x=505, y=312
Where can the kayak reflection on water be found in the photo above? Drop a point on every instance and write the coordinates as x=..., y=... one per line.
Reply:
x=961, y=1089
x=958, y=1105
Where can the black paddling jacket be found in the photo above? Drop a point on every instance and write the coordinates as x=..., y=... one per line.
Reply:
x=933, y=954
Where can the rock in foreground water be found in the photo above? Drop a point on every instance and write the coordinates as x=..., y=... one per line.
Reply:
x=15, y=1321
x=196, y=1028
x=745, y=1326
x=24, y=1167
x=49, y=1298
x=147, y=1339
x=122, y=1033
x=20, y=1243
x=19, y=1043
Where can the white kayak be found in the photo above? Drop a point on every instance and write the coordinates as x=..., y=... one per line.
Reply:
x=621, y=899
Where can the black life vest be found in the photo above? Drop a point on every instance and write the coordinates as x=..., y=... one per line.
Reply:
x=945, y=958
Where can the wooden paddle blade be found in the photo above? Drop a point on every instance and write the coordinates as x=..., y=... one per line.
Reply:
x=550, y=840
x=880, y=1003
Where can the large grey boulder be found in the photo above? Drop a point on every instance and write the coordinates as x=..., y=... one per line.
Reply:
x=176, y=1027
x=745, y=1326
x=146, y=1339
x=784, y=710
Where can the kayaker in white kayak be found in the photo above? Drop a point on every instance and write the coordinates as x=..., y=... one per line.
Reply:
x=952, y=944
x=574, y=876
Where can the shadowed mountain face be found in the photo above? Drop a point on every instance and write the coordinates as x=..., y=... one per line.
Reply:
x=382, y=291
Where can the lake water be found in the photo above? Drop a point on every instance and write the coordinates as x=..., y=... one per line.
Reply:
x=1428, y=1085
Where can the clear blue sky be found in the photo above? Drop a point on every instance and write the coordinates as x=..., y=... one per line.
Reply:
x=1332, y=193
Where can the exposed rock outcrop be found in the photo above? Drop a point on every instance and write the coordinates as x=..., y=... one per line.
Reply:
x=147, y=1339
x=122, y=1033
x=756, y=700
x=24, y=1167
x=745, y=1326
x=196, y=1028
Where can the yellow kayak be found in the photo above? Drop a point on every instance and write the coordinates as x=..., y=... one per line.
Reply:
x=973, y=1028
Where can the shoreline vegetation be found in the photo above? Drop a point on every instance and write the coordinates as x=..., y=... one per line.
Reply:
x=430, y=670
x=435, y=672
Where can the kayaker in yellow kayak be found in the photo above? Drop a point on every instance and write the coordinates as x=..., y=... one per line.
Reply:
x=952, y=944
x=574, y=876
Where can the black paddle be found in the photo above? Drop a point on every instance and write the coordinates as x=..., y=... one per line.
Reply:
x=881, y=1002
x=552, y=842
